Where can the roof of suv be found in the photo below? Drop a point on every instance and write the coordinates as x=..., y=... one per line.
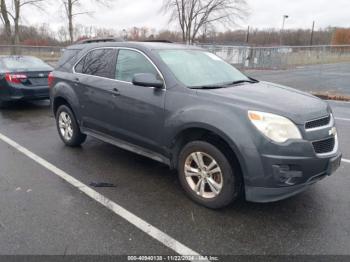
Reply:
x=138, y=45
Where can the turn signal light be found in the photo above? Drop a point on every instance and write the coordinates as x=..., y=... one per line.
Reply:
x=254, y=116
x=51, y=79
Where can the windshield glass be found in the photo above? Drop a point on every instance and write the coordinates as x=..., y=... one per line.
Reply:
x=196, y=68
x=22, y=63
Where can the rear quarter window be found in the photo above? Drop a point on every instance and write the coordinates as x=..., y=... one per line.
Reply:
x=67, y=56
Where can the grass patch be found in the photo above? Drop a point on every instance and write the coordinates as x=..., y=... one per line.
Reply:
x=328, y=96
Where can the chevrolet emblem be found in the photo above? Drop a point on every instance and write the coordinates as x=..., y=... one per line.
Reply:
x=333, y=131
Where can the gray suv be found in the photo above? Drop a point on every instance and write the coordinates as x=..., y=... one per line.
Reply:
x=227, y=135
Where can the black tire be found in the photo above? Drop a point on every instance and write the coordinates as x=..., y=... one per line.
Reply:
x=230, y=180
x=77, y=138
x=3, y=104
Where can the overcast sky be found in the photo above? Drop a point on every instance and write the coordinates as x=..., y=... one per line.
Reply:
x=263, y=14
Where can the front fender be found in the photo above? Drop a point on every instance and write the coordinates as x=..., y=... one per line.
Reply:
x=231, y=125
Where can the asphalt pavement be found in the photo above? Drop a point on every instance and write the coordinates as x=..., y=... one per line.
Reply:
x=332, y=78
x=40, y=213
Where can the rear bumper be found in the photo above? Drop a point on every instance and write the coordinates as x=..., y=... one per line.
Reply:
x=16, y=94
x=299, y=179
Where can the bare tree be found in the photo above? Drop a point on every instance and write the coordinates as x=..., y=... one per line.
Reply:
x=144, y=32
x=5, y=18
x=70, y=6
x=62, y=34
x=11, y=16
x=341, y=36
x=193, y=15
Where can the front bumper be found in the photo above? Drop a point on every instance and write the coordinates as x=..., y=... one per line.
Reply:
x=289, y=182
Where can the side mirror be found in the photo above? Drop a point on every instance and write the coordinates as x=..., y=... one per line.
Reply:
x=147, y=80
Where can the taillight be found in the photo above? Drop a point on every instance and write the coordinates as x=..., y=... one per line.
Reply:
x=15, y=78
x=51, y=79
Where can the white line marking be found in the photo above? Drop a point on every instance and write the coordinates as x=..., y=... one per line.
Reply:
x=346, y=160
x=342, y=119
x=114, y=207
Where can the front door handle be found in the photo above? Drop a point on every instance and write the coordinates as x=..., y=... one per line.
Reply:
x=115, y=92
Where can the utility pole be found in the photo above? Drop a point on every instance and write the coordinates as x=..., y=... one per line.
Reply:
x=312, y=33
x=282, y=28
x=248, y=32
x=125, y=35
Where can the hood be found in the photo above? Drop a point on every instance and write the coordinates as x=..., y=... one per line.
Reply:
x=272, y=98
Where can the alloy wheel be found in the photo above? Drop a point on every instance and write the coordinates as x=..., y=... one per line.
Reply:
x=203, y=175
x=65, y=126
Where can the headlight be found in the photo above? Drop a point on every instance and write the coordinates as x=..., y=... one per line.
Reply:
x=277, y=128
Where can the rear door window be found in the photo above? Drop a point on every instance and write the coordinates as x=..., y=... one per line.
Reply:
x=100, y=62
x=130, y=63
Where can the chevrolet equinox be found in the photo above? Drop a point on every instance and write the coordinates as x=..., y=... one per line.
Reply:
x=227, y=135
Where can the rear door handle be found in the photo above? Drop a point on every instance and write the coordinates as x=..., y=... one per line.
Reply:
x=76, y=81
x=115, y=92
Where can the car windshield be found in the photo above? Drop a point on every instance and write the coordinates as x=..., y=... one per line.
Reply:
x=199, y=69
x=25, y=63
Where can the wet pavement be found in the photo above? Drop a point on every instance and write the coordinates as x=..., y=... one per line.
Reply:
x=42, y=214
x=333, y=78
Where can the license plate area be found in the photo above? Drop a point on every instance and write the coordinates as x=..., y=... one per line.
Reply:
x=38, y=81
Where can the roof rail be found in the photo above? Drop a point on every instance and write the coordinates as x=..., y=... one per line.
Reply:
x=100, y=40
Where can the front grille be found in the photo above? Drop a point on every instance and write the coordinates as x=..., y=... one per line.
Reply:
x=324, y=146
x=318, y=122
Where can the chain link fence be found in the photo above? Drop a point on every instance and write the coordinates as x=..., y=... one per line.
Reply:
x=322, y=70
x=50, y=54
x=284, y=57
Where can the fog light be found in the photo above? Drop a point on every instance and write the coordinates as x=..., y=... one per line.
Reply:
x=286, y=174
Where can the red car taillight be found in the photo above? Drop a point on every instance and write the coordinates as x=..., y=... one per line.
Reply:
x=51, y=79
x=15, y=78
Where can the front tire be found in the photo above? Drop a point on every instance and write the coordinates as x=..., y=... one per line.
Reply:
x=207, y=176
x=68, y=127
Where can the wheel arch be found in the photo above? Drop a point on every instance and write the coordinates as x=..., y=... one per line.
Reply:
x=63, y=93
x=212, y=135
x=59, y=101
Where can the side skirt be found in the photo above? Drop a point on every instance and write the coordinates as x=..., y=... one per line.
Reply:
x=127, y=146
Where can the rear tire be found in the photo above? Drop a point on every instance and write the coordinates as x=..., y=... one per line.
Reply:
x=207, y=176
x=68, y=127
x=3, y=104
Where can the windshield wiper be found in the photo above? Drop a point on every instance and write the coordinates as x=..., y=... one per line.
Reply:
x=208, y=87
x=225, y=85
x=252, y=81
